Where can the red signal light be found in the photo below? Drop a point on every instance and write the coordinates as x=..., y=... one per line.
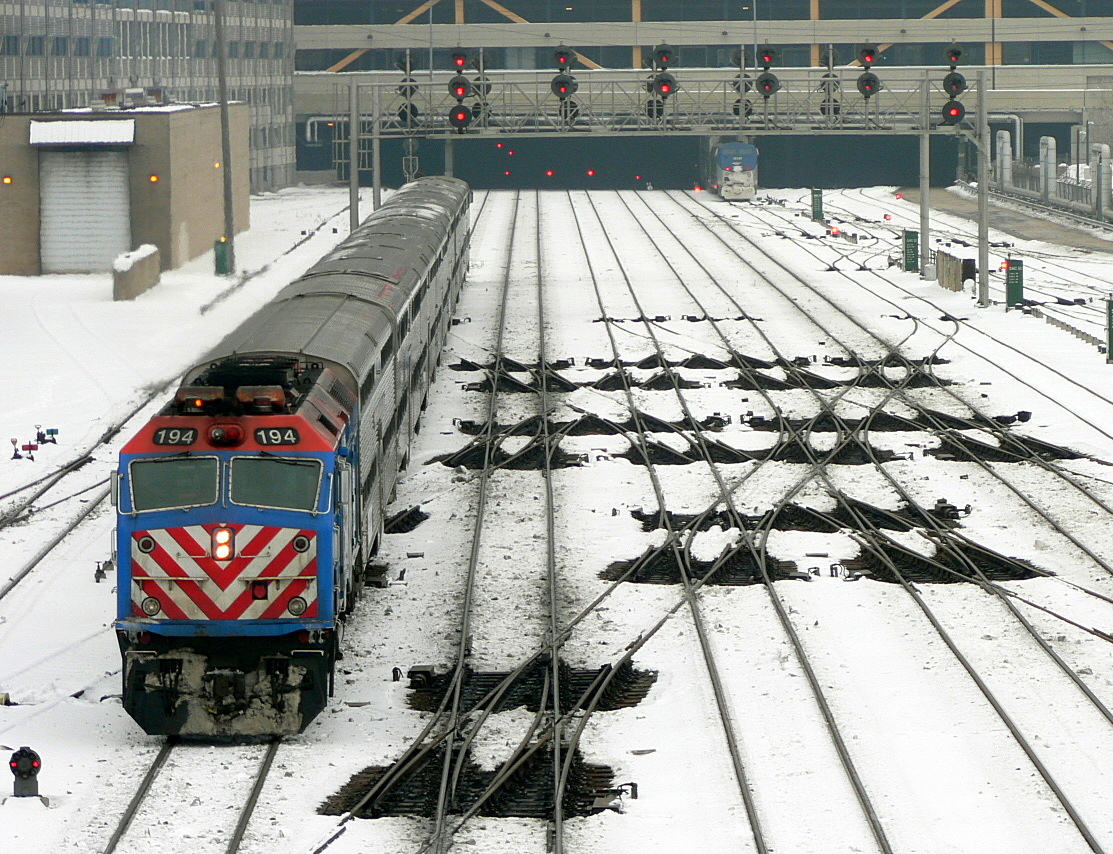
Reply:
x=591, y=173
x=507, y=172
x=498, y=145
x=900, y=195
x=888, y=216
x=549, y=172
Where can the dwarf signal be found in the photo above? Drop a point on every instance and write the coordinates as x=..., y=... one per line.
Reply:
x=25, y=764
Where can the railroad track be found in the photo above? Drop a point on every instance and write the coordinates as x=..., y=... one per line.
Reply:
x=1072, y=291
x=181, y=794
x=961, y=557
x=650, y=393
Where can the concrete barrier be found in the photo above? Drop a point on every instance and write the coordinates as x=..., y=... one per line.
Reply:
x=135, y=272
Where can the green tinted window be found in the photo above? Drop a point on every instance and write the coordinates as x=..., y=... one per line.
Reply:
x=173, y=482
x=286, y=482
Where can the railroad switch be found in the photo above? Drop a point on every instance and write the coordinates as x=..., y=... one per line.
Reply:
x=421, y=675
x=610, y=799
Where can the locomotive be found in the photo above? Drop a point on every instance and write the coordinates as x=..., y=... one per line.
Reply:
x=247, y=509
x=732, y=170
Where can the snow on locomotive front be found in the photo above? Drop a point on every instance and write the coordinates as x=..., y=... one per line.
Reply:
x=247, y=509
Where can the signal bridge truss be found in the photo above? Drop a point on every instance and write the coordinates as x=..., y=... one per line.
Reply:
x=622, y=103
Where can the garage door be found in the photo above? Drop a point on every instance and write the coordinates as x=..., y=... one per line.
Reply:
x=85, y=211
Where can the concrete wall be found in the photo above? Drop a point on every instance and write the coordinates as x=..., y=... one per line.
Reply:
x=19, y=200
x=181, y=212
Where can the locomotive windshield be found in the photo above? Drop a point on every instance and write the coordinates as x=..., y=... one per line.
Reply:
x=173, y=482
x=284, y=482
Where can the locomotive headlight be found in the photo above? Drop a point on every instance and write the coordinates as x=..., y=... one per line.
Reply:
x=297, y=606
x=151, y=606
x=223, y=543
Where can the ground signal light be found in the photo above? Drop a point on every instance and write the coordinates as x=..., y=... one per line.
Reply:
x=953, y=112
x=25, y=765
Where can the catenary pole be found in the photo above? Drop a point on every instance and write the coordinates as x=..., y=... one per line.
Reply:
x=225, y=137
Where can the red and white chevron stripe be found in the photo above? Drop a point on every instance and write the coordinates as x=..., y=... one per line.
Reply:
x=191, y=585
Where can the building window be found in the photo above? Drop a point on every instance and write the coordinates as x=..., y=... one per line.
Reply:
x=233, y=50
x=10, y=46
x=264, y=50
x=249, y=50
x=81, y=46
x=61, y=46
x=201, y=49
x=36, y=45
x=104, y=47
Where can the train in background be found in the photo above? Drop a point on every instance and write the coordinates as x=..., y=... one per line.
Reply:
x=248, y=508
x=731, y=171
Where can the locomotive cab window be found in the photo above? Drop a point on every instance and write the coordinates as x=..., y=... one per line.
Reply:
x=173, y=483
x=288, y=483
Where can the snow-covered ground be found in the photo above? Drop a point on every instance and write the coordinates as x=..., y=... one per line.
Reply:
x=943, y=774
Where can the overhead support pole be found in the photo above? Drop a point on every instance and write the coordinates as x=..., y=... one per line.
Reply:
x=353, y=155
x=376, y=151
x=925, y=185
x=983, y=192
x=449, y=157
x=636, y=17
x=225, y=138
